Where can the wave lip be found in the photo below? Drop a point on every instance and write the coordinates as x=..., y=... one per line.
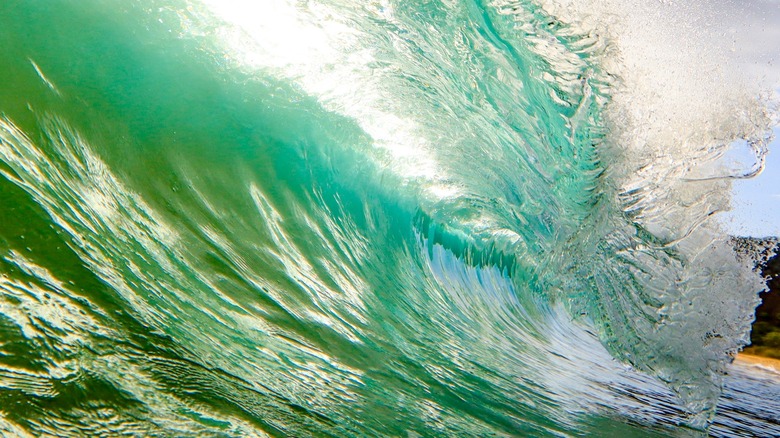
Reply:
x=392, y=218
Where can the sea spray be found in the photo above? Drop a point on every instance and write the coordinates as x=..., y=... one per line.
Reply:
x=324, y=218
x=676, y=105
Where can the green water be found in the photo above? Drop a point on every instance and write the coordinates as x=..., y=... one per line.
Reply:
x=193, y=244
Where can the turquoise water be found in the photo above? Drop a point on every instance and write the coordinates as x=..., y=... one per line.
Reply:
x=335, y=219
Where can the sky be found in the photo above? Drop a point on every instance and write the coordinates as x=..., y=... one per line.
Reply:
x=756, y=202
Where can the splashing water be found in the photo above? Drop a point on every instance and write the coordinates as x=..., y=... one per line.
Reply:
x=331, y=218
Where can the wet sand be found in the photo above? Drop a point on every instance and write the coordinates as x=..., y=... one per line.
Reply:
x=750, y=359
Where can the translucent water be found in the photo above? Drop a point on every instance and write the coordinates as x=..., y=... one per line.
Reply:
x=331, y=218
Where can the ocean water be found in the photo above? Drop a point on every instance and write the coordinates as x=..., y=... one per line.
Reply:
x=381, y=218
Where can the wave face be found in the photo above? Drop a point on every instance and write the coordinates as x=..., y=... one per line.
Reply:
x=385, y=218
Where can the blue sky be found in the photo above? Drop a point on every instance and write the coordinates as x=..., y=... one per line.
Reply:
x=756, y=202
x=755, y=28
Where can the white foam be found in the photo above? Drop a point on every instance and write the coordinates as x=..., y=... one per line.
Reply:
x=682, y=93
x=680, y=99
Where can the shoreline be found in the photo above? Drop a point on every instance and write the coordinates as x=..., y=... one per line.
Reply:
x=764, y=362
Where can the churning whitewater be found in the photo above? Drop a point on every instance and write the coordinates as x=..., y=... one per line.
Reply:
x=382, y=218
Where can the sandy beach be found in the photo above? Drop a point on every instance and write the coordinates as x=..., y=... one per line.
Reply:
x=750, y=359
